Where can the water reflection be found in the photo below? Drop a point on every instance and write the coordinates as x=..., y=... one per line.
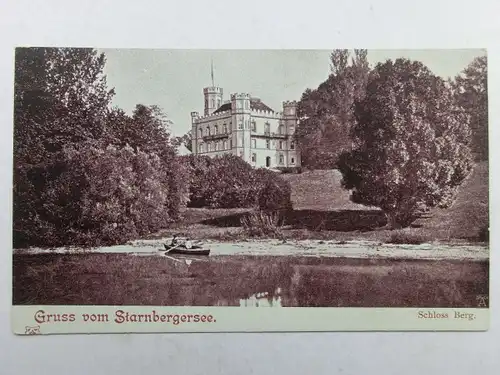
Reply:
x=263, y=299
x=248, y=281
x=339, y=282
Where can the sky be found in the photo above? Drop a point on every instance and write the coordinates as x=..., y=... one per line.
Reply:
x=174, y=79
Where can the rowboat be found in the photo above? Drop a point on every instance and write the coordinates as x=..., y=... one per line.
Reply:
x=195, y=250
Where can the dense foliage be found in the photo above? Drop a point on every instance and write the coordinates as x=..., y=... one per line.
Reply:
x=228, y=182
x=471, y=92
x=411, y=143
x=85, y=173
x=92, y=195
x=326, y=113
x=274, y=192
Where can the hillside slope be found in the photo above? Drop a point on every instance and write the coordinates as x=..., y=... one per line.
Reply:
x=469, y=214
x=321, y=190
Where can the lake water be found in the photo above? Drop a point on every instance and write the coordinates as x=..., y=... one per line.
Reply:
x=247, y=281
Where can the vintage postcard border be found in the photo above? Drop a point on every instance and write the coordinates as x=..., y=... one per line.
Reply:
x=32, y=320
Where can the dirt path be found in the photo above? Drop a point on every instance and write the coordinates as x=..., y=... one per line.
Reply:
x=353, y=249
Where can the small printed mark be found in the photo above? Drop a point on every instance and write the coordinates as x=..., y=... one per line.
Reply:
x=32, y=330
x=482, y=301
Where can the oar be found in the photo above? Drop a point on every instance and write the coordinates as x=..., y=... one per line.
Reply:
x=172, y=248
x=169, y=250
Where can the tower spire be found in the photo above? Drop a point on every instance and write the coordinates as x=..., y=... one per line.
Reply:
x=212, y=71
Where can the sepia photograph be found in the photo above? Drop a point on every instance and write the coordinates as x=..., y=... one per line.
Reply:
x=251, y=178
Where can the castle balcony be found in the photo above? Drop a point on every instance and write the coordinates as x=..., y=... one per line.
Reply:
x=279, y=135
x=270, y=135
x=213, y=137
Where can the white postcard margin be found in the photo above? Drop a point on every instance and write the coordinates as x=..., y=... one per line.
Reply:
x=34, y=320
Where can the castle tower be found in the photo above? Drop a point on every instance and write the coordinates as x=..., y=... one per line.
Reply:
x=290, y=110
x=213, y=99
x=240, y=107
x=213, y=95
x=290, y=122
x=195, y=136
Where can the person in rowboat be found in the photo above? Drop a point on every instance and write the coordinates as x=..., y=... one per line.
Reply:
x=174, y=241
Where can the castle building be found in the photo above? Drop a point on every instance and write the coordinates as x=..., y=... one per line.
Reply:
x=246, y=127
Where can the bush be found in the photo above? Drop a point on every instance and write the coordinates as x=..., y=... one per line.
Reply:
x=262, y=224
x=405, y=237
x=289, y=170
x=274, y=196
x=90, y=195
x=484, y=234
x=221, y=182
x=230, y=182
x=178, y=176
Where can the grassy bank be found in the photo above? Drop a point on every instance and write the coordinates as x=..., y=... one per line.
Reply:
x=323, y=211
x=105, y=279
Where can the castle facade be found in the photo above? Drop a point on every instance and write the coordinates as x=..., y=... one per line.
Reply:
x=246, y=127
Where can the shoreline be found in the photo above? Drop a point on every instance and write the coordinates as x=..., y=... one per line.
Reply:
x=313, y=248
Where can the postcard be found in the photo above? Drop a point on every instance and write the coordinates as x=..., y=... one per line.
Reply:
x=250, y=190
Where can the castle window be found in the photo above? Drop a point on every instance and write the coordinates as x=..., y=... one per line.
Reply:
x=268, y=144
x=281, y=145
x=216, y=146
x=254, y=126
x=282, y=159
x=216, y=130
x=267, y=128
x=201, y=132
x=254, y=158
x=282, y=129
x=292, y=160
x=213, y=103
x=218, y=103
x=225, y=129
x=247, y=104
x=207, y=132
x=254, y=143
x=292, y=145
x=224, y=145
x=200, y=148
x=240, y=125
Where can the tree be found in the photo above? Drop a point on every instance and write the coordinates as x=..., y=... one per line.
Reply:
x=61, y=97
x=471, y=93
x=150, y=129
x=84, y=172
x=411, y=143
x=326, y=113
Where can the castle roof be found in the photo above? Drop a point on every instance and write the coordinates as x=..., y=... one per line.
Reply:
x=255, y=104
x=258, y=105
x=223, y=108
